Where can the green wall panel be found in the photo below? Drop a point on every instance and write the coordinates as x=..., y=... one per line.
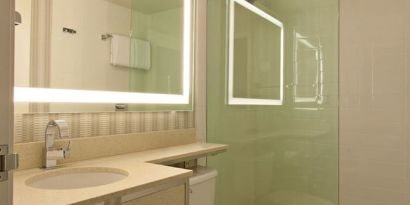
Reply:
x=287, y=154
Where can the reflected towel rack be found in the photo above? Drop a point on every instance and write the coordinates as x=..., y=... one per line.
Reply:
x=105, y=37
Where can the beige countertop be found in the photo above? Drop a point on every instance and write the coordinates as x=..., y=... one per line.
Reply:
x=142, y=172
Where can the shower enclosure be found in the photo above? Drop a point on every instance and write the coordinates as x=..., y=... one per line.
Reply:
x=273, y=97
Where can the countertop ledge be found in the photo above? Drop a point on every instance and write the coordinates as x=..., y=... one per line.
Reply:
x=143, y=174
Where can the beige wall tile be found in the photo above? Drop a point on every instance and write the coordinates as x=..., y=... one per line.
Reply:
x=374, y=113
x=31, y=127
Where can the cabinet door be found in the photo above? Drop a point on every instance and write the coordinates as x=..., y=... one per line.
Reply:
x=173, y=196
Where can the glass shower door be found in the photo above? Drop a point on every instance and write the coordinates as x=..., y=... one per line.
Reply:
x=276, y=107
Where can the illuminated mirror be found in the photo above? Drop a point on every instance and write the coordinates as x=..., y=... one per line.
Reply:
x=256, y=56
x=104, y=55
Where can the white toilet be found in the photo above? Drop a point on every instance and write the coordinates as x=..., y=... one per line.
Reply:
x=202, y=187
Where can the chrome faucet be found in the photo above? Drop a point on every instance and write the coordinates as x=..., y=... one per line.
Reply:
x=53, y=153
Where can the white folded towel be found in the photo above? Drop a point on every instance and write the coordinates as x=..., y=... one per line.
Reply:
x=129, y=52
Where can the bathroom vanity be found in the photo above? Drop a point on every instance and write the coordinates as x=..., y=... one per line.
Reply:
x=122, y=76
x=147, y=179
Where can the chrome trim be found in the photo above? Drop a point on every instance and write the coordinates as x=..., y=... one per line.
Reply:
x=8, y=162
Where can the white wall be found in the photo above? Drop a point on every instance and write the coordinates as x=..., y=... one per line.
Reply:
x=22, y=44
x=374, y=102
x=82, y=60
x=22, y=49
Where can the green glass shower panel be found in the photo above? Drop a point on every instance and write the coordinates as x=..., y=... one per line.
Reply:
x=285, y=154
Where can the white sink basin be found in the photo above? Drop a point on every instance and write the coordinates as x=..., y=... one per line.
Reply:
x=76, y=178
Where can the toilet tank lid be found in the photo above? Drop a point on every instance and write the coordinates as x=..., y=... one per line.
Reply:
x=203, y=176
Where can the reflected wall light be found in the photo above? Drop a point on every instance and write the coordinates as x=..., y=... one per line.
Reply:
x=301, y=40
x=232, y=100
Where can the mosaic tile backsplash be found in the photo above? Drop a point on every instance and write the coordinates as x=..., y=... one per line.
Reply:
x=31, y=127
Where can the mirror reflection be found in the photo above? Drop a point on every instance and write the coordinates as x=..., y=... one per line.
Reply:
x=103, y=45
x=308, y=69
x=256, y=47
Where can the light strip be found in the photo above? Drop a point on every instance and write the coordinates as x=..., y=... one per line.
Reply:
x=304, y=40
x=252, y=101
x=187, y=49
x=47, y=95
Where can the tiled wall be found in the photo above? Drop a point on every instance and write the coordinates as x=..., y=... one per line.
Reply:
x=375, y=109
x=31, y=127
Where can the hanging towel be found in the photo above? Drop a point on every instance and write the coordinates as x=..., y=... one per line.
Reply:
x=120, y=50
x=141, y=54
x=130, y=52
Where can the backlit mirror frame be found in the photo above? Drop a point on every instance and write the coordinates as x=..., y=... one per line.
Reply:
x=252, y=101
x=300, y=40
x=49, y=95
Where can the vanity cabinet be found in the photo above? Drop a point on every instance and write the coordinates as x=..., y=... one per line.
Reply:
x=165, y=194
x=172, y=196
